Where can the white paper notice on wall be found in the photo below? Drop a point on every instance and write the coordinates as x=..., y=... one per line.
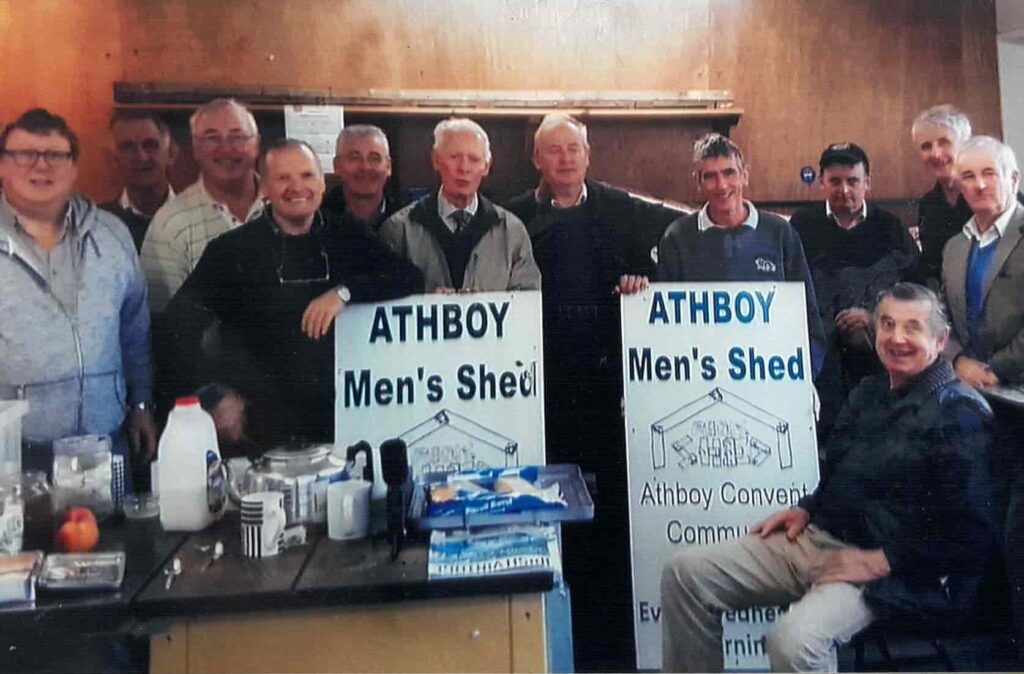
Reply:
x=719, y=434
x=318, y=125
x=459, y=378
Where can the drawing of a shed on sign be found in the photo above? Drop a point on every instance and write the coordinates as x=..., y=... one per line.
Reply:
x=447, y=442
x=720, y=430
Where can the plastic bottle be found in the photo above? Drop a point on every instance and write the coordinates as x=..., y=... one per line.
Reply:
x=190, y=477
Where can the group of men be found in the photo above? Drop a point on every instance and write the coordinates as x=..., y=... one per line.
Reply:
x=921, y=483
x=246, y=270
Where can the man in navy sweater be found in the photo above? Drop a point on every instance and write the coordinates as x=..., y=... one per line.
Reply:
x=729, y=240
x=591, y=242
x=854, y=250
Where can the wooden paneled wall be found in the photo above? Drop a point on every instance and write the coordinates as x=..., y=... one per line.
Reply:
x=65, y=56
x=807, y=72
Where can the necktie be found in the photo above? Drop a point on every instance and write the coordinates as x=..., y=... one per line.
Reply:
x=461, y=219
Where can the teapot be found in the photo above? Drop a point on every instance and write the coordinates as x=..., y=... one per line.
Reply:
x=301, y=474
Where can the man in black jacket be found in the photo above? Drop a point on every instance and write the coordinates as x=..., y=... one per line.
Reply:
x=362, y=162
x=276, y=285
x=854, y=250
x=590, y=241
x=900, y=526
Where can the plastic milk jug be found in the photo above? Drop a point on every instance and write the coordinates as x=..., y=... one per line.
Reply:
x=191, y=480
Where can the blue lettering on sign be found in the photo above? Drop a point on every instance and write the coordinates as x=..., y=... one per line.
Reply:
x=702, y=307
x=750, y=365
x=432, y=322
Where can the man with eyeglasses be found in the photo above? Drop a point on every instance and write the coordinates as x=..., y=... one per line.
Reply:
x=259, y=281
x=362, y=162
x=74, y=327
x=141, y=152
x=225, y=143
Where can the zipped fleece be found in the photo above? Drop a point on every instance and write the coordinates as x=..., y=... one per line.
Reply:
x=79, y=372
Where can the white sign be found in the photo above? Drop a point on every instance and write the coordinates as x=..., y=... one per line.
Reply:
x=318, y=125
x=719, y=433
x=459, y=378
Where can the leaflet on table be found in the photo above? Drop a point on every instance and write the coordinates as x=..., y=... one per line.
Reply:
x=494, y=550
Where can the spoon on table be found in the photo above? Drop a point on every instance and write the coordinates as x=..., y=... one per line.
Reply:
x=218, y=552
x=172, y=572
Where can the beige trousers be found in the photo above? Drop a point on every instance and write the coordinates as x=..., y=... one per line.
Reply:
x=699, y=583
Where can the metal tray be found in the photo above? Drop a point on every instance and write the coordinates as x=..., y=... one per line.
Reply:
x=83, y=571
x=570, y=481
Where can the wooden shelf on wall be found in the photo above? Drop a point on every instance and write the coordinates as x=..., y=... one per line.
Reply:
x=641, y=140
x=696, y=105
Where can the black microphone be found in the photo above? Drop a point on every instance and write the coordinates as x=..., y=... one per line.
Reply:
x=394, y=463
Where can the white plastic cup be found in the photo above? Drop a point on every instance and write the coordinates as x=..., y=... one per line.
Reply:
x=348, y=509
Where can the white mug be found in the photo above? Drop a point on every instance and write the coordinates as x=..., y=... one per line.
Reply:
x=263, y=523
x=348, y=509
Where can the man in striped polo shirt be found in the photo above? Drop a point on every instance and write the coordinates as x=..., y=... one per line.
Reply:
x=225, y=143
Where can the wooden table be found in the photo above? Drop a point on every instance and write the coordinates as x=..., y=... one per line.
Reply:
x=340, y=606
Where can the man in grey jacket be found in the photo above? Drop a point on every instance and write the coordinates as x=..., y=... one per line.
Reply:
x=74, y=327
x=457, y=237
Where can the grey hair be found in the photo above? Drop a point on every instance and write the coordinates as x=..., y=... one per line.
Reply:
x=221, y=104
x=461, y=125
x=903, y=291
x=363, y=131
x=713, y=145
x=1005, y=158
x=944, y=115
x=558, y=120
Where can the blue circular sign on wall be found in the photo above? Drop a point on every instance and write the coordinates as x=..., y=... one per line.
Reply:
x=808, y=174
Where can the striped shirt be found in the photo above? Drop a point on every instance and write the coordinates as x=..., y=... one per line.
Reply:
x=178, y=236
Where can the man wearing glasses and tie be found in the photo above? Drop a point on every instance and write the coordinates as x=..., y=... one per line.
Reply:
x=225, y=143
x=457, y=237
x=275, y=285
x=74, y=328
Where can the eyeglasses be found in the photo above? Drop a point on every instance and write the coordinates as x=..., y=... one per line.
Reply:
x=235, y=141
x=27, y=158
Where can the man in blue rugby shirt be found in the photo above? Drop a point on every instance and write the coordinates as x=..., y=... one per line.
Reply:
x=730, y=240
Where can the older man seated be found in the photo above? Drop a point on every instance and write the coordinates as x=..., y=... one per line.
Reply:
x=900, y=523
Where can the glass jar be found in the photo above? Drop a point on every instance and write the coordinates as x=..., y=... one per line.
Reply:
x=38, y=502
x=12, y=521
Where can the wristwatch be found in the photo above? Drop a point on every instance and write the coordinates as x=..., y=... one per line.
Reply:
x=143, y=407
x=344, y=294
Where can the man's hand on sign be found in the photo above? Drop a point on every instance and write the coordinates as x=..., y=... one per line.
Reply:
x=444, y=290
x=320, y=313
x=630, y=284
x=792, y=521
x=852, y=565
x=975, y=373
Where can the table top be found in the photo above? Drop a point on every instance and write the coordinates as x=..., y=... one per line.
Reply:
x=146, y=546
x=1012, y=394
x=323, y=572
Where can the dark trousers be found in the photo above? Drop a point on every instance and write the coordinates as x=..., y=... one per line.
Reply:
x=584, y=426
